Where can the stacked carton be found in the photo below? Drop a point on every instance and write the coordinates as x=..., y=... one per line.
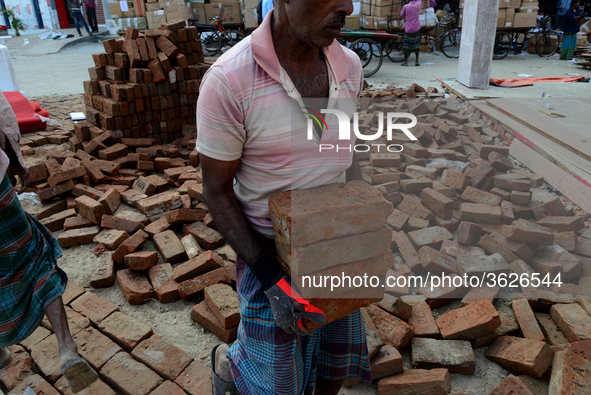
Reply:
x=232, y=10
x=517, y=13
x=146, y=85
x=378, y=14
x=250, y=13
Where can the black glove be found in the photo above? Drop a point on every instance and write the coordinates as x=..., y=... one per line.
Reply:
x=282, y=295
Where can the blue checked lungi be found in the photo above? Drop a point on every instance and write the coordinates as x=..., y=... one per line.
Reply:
x=266, y=360
x=29, y=277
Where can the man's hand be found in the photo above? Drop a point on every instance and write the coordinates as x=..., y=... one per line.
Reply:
x=288, y=306
x=23, y=173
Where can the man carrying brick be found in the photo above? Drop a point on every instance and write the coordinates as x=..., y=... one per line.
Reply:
x=244, y=124
x=31, y=283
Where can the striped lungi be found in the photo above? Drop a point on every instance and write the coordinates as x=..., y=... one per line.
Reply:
x=569, y=44
x=266, y=360
x=411, y=42
x=29, y=277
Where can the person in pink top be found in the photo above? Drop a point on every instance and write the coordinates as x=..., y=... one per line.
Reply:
x=412, y=37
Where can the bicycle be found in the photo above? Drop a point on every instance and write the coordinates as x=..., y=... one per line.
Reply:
x=546, y=41
x=216, y=39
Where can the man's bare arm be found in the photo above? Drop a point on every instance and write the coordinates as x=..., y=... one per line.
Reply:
x=218, y=191
x=354, y=171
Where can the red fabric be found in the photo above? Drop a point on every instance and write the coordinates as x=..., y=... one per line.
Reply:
x=25, y=112
x=527, y=81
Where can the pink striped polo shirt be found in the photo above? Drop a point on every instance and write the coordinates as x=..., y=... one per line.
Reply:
x=249, y=109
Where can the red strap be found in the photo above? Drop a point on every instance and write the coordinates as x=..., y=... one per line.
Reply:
x=308, y=307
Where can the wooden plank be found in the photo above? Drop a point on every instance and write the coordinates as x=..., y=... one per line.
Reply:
x=452, y=90
x=574, y=189
x=555, y=153
x=567, y=137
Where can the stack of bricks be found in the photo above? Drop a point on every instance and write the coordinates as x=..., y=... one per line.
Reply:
x=219, y=313
x=329, y=230
x=146, y=84
x=128, y=357
x=27, y=144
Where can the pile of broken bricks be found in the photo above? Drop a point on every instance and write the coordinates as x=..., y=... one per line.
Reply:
x=460, y=205
x=129, y=358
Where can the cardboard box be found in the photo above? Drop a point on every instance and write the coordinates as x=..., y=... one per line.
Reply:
x=501, y=17
x=167, y=3
x=353, y=22
x=247, y=4
x=382, y=8
x=198, y=12
x=380, y=23
x=509, y=17
x=152, y=7
x=251, y=19
x=367, y=22
x=127, y=9
x=514, y=3
x=529, y=9
x=177, y=12
x=582, y=40
x=504, y=3
x=155, y=18
x=525, y=19
x=232, y=11
x=138, y=23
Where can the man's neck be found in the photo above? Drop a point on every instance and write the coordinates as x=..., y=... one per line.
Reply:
x=292, y=52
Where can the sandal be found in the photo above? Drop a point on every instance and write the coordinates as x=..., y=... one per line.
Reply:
x=219, y=386
x=79, y=374
x=5, y=357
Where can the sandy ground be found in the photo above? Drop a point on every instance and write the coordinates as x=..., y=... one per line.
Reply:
x=43, y=70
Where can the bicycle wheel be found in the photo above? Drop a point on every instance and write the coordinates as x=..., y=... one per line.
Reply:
x=228, y=39
x=547, y=44
x=209, y=42
x=450, y=43
x=394, y=50
x=502, y=45
x=370, y=54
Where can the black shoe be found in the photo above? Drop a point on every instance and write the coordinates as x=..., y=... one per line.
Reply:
x=219, y=386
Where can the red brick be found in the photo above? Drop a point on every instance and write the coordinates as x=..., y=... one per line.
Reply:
x=480, y=174
x=128, y=376
x=174, y=173
x=572, y=320
x=422, y=319
x=387, y=362
x=196, y=379
x=223, y=302
x=196, y=192
x=130, y=245
x=470, y=322
x=474, y=195
x=454, y=355
x=526, y=320
x=201, y=264
x=493, y=246
x=46, y=357
x=417, y=381
x=432, y=237
x=468, y=233
x=124, y=330
x=110, y=201
x=103, y=272
x=135, y=286
x=75, y=237
x=85, y=190
x=96, y=388
x=552, y=334
x=551, y=208
x=21, y=367
x=90, y=209
x=185, y=215
x=49, y=193
x=165, y=287
x=56, y=221
x=95, y=347
x=385, y=160
x=157, y=227
x=391, y=329
x=168, y=388
x=515, y=354
x=141, y=261
x=477, y=294
x=408, y=252
x=169, y=246
x=76, y=223
x=512, y=182
x=206, y=237
x=520, y=197
x=437, y=203
x=517, y=247
x=396, y=306
x=165, y=359
x=144, y=186
x=483, y=213
x=435, y=262
x=511, y=384
x=202, y=314
x=111, y=238
x=415, y=185
x=455, y=179
x=131, y=196
x=508, y=328
x=63, y=176
x=121, y=224
x=528, y=235
x=190, y=288
x=397, y=220
x=93, y=307
x=571, y=374
x=159, y=203
x=37, y=384
x=45, y=210
x=562, y=224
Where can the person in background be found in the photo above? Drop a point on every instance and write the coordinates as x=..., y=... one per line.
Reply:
x=76, y=11
x=572, y=25
x=268, y=5
x=412, y=36
x=31, y=283
x=91, y=15
x=561, y=8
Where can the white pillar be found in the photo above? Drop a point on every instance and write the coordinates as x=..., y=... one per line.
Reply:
x=479, y=28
